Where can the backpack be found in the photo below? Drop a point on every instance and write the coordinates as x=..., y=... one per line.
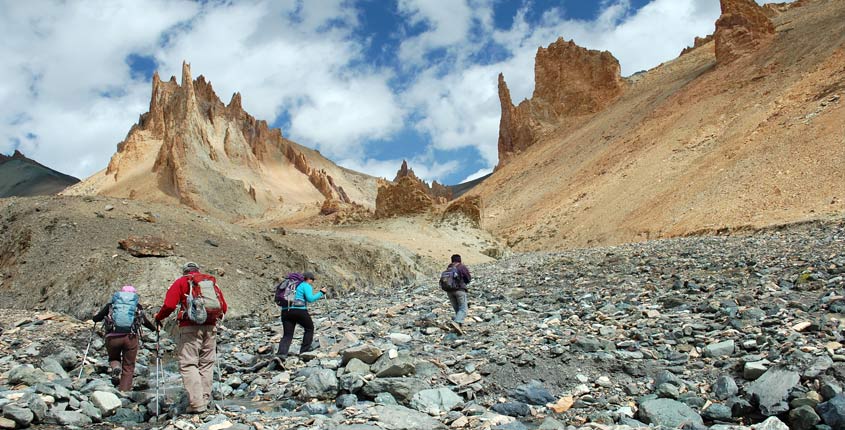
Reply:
x=203, y=302
x=285, y=293
x=121, y=318
x=450, y=279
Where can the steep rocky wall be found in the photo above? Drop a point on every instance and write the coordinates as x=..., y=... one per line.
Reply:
x=743, y=27
x=569, y=81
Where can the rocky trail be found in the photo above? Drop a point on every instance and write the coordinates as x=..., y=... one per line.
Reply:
x=696, y=332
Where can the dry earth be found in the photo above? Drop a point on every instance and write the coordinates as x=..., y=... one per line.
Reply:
x=691, y=147
x=62, y=254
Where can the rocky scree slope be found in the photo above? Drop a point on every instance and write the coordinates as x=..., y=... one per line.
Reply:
x=69, y=254
x=696, y=332
x=742, y=132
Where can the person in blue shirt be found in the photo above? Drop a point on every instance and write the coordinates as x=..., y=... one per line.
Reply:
x=297, y=314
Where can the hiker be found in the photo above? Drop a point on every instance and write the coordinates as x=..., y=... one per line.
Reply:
x=457, y=290
x=296, y=313
x=124, y=317
x=197, y=344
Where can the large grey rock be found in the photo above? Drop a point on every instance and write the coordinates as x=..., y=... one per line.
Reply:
x=832, y=411
x=402, y=418
x=127, y=416
x=755, y=369
x=803, y=418
x=512, y=409
x=68, y=358
x=533, y=393
x=435, y=400
x=386, y=367
x=719, y=349
x=668, y=413
x=91, y=411
x=770, y=391
x=717, y=412
x=321, y=384
x=37, y=405
x=106, y=402
x=357, y=366
x=71, y=418
x=366, y=353
x=26, y=374
x=20, y=415
x=403, y=389
x=772, y=423
x=51, y=365
x=725, y=387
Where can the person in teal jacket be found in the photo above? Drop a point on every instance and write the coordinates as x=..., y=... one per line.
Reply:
x=297, y=314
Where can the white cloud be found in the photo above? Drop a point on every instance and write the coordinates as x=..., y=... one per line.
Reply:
x=59, y=59
x=73, y=96
x=479, y=173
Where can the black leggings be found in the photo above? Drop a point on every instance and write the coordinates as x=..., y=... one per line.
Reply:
x=290, y=319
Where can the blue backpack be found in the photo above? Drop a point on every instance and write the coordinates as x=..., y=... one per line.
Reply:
x=124, y=306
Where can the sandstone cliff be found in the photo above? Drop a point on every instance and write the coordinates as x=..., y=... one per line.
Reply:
x=191, y=148
x=743, y=27
x=569, y=82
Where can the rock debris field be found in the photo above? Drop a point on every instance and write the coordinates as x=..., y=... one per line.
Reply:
x=700, y=332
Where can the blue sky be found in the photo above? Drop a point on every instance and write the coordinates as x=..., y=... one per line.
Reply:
x=367, y=82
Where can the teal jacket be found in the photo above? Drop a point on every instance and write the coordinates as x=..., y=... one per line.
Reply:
x=305, y=294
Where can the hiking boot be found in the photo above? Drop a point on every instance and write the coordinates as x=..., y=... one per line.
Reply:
x=279, y=362
x=114, y=372
x=457, y=328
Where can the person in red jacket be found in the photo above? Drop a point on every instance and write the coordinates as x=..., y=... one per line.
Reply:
x=197, y=343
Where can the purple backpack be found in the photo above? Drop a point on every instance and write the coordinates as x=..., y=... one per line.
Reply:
x=286, y=290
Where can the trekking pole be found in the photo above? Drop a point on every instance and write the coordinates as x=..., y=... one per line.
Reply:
x=158, y=377
x=85, y=356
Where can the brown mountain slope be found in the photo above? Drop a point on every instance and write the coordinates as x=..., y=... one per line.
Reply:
x=192, y=149
x=691, y=147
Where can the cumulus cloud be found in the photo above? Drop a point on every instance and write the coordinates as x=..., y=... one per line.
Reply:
x=70, y=95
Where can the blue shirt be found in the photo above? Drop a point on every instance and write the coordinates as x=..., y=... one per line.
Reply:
x=305, y=293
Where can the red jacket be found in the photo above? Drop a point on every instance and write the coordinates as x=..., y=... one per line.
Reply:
x=177, y=296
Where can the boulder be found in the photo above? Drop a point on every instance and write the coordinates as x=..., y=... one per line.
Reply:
x=146, y=246
x=803, y=418
x=403, y=389
x=668, y=413
x=435, y=401
x=321, y=384
x=720, y=349
x=771, y=390
x=402, y=418
x=725, y=387
x=386, y=367
x=832, y=412
x=366, y=353
x=26, y=374
x=772, y=423
x=20, y=415
x=512, y=409
x=533, y=393
x=106, y=402
x=71, y=418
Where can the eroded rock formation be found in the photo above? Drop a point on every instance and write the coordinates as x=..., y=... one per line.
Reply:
x=743, y=27
x=697, y=42
x=439, y=192
x=407, y=196
x=212, y=157
x=468, y=207
x=569, y=81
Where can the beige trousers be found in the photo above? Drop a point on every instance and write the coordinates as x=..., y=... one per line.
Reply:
x=197, y=350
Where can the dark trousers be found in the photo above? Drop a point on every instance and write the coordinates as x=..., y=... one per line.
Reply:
x=291, y=319
x=123, y=350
